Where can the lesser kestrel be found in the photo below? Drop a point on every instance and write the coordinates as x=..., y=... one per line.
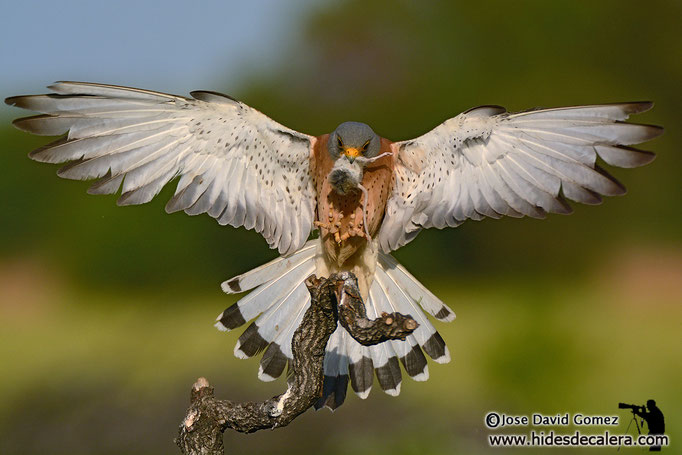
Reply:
x=367, y=195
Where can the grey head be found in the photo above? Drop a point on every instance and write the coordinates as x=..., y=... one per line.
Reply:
x=353, y=139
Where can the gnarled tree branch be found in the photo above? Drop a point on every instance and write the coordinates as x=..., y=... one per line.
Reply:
x=336, y=298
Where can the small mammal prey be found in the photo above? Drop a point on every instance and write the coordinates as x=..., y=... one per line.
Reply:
x=346, y=177
x=353, y=146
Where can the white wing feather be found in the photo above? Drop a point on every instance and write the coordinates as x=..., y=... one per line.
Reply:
x=489, y=163
x=234, y=163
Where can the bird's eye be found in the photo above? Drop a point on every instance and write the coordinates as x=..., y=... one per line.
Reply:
x=339, y=141
x=364, y=147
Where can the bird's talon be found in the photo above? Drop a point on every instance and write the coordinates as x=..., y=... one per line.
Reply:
x=320, y=224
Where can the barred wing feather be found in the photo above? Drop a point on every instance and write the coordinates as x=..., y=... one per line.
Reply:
x=234, y=163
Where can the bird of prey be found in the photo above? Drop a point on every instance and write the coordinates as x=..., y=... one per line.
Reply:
x=366, y=195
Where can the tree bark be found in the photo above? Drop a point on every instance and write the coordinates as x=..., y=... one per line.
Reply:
x=336, y=298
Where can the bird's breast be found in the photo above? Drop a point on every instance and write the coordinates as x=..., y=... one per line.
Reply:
x=339, y=216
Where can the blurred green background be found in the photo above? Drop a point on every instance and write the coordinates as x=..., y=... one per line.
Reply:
x=106, y=313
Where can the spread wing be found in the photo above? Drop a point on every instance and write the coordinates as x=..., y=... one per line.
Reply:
x=234, y=163
x=490, y=163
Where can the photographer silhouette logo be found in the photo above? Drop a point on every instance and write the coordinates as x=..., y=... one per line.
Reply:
x=650, y=414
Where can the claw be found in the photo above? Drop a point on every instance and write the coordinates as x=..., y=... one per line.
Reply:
x=320, y=224
x=332, y=228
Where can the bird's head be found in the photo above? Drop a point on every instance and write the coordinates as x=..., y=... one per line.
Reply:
x=353, y=140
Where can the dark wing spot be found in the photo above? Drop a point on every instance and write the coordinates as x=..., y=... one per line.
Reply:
x=292, y=137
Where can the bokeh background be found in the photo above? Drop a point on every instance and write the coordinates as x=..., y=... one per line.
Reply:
x=106, y=313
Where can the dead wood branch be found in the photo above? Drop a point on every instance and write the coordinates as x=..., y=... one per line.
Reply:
x=336, y=298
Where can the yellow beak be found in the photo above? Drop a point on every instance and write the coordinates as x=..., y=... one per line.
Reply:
x=351, y=153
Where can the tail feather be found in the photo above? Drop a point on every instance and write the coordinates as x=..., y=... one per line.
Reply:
x=268, y=272
x=360, y=368
x=276, y=318
x=384, y=355
x=407, y=351
x=381, y=303
x=272, y=363
x=334, y=390
x=289, y=273
x=426, y=334
x=414, y=361
x=292, y=326
x=271, y=322
x=335, y=371
x=404, y=279
x=389, y=375
x=436, y=348
x=249, y=343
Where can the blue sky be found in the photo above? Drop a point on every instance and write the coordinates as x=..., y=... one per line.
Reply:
x=174, y=45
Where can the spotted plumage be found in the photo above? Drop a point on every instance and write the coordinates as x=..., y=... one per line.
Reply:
x=340, y=216
x=367, y=196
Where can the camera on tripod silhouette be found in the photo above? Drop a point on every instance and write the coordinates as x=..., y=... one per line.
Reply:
x=633, y=407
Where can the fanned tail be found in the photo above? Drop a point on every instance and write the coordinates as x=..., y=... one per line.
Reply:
x=280, y=298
